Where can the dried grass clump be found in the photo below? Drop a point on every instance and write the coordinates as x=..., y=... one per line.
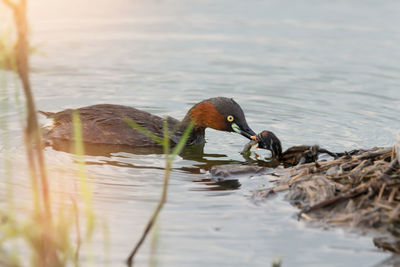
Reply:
x=361, y=188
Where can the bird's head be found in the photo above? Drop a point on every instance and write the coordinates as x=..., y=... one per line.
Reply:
x=269, y=141
x=221, y=113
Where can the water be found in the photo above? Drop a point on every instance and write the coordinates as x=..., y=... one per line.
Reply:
x=321, y=72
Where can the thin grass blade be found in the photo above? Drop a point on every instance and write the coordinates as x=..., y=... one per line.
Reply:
x=182, y=142
x=144, y=131
x=83, y=184
x=166, y=138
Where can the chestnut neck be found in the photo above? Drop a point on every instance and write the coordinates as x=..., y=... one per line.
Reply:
x=197, y=136
x=204, y=115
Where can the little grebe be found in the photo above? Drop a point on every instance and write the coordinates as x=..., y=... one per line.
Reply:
x=293, y=155
x=105, y=123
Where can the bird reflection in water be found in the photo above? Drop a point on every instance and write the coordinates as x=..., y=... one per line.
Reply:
x=202, y=162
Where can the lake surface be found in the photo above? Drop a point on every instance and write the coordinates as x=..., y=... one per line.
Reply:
x=313, y=72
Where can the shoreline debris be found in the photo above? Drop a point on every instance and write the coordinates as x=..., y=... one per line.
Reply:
x=358, y=189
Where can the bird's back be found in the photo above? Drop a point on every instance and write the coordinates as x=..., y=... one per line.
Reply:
x=105, y=124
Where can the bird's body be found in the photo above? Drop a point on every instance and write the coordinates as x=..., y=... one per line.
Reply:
x=106, y=123
x=99, y=124
x=291, y=156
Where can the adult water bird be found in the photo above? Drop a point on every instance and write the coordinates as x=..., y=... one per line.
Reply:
x=106, y=123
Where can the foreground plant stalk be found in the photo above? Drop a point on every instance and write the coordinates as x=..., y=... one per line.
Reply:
x=169, y=159
x=33, y=138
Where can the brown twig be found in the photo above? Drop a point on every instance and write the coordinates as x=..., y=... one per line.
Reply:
x=352, y=193
x=376, y=185
x=153, y=218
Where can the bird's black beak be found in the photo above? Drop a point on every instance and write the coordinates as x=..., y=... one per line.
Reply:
x=245, y=131
x=248, y=133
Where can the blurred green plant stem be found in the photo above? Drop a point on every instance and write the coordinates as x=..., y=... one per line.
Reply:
x=169, y=159
x=47, y=234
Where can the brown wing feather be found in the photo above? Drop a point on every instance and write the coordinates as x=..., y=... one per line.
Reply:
x=104, y=124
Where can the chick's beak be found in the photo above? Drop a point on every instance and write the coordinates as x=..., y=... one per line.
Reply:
x=245, y=131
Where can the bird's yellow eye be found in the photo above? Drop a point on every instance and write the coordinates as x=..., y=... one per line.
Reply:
x=230, y=118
